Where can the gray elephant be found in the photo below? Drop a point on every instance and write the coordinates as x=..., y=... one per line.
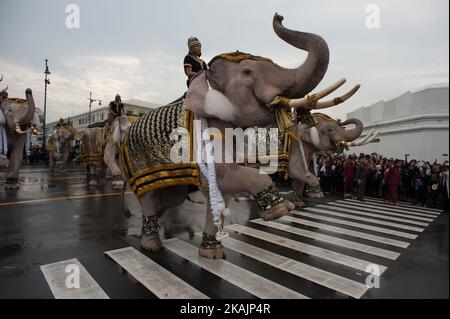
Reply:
x=58, y=146
x=17, y=117
x=100, y=147
x=238, y=90
x=327, y=135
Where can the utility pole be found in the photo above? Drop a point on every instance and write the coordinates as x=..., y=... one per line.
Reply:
x=47, y=82
x=90, y=105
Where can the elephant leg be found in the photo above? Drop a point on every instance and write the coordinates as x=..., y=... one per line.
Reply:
x=210, y=247
x=101, y=173
x=313, y=183
x=15, y=161
x=173, y=223
x=150, y=240
x=65, y=158
x=110, y=161
x=92, y=174
x=298, y=187
x=52, y=161
x=234, y=179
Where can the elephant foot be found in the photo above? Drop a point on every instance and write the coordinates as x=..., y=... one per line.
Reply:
x=118, y=184
x=12, y=187
x=315, y=195
x=12, y=184
x=216, y=253
x=151, y=242
x=93, y=182
x=299, y=204
x=211, y=248
x=278, y=210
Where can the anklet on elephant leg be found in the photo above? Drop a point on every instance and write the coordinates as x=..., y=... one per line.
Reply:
x=314, y=189
x=268, y=198
x=150, y=225
x=296, y=197
x=210, y=242
x=12, y=180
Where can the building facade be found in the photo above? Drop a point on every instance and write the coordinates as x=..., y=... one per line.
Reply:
x=81, y=121
x=415, y=125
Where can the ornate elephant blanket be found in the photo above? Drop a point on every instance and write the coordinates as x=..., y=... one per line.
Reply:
x=145, y=154
x=282, y=144
x=93, y=144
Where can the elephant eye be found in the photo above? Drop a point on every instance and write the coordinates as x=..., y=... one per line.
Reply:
x=247, y=71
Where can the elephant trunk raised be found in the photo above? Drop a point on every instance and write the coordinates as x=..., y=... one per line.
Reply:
x=28, y=116
x=308, y=75
x=352, y=134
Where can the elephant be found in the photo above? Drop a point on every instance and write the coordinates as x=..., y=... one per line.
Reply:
x=17, y=116
x=58, y=146
x=239, y=90
x=100, y=147
x=327, y=135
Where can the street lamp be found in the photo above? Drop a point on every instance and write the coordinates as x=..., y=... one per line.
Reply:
x=90, y=104
x=406, y=157
x=47, y=82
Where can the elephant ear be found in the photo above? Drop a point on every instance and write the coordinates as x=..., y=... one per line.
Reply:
x=208, y=102
x=195, y=97
x=309, y=135
x=38, y=117
x=2, y=118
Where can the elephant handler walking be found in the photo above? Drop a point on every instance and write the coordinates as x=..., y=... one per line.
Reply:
x=116, y=108
x=192, y=62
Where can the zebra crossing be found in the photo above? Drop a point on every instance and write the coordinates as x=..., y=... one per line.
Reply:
x=333, y=246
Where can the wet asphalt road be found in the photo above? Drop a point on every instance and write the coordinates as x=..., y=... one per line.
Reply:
x=57, y=216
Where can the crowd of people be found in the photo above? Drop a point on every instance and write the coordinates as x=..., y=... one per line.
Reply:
x=423, y=183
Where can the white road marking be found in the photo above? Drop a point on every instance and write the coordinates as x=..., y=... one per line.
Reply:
x=305, y=248
x=62, y=278
x=330, y=239
x=357, y=225
x=240, y=277
x=152, y=276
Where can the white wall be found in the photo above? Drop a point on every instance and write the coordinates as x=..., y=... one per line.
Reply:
x=415, y=123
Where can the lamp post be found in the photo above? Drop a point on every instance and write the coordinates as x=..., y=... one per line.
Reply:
x=90, y=105
x=47, y=82
x=406, y=158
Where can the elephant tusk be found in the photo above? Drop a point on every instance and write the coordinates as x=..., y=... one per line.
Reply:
x=34, y=131
x=371, y=138
x=19, y=130
x=365, y=139
x=314, y=98
x=337, y=100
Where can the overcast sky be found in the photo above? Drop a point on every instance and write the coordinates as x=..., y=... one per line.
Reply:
x=136, y=47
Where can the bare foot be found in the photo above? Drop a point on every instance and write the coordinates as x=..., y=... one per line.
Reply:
x=278, y=210
x=216, y=253
x=151, y=243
